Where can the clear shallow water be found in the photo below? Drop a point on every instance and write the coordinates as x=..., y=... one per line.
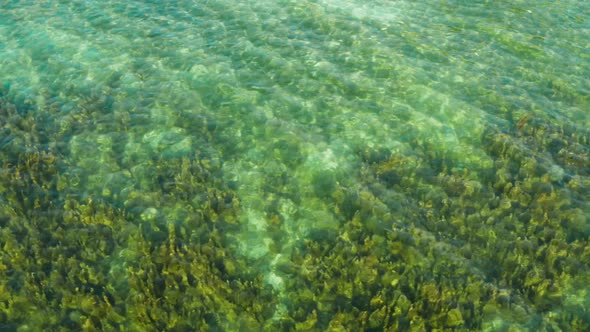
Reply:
x=295, y=165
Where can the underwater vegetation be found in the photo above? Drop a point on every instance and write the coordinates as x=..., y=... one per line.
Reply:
x=420, y=245
x=81, y=264
x=504, y=247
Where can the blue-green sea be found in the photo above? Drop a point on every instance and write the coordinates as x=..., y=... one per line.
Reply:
x=294, y=165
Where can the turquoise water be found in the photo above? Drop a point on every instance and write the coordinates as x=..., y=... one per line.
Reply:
x=295, y=165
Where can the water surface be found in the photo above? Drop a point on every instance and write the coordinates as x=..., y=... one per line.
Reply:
x=295, y=165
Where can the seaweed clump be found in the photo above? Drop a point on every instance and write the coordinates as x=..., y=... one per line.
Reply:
x=427, y=245
x=81, y=262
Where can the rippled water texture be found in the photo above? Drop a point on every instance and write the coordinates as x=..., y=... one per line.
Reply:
x=295, y=165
